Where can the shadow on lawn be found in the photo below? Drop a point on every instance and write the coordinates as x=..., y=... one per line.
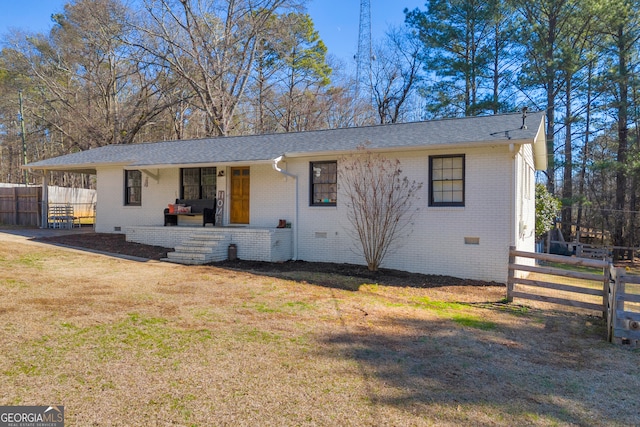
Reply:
x=532, y=374
x=546, y=369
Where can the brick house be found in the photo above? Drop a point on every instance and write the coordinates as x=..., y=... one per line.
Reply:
x=477, y=199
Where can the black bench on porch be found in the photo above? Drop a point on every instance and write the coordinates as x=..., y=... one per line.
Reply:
x=198, y=207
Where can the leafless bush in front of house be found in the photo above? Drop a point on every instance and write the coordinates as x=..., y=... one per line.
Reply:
x=379, y=202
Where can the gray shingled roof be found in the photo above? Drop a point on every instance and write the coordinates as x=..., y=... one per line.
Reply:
x=461, y=132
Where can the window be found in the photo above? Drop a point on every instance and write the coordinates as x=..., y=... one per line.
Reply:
x=198, y=183
x=446, y=176
x=132, y=188
x=324, y=178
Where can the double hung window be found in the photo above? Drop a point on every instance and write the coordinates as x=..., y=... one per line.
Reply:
x=446, y=178
x=324, y=183
x=132, y=188
x=198, y=183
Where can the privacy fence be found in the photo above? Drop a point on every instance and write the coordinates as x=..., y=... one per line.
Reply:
x=579, y=282
x=22, y=205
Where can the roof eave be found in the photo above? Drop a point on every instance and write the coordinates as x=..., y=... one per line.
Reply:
x=87, y=168
x=199, y=164
x=408, y=148
x=62, y=168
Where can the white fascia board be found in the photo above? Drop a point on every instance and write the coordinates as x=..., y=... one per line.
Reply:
x=429, y=147
x=89, y=168
x=199, y=165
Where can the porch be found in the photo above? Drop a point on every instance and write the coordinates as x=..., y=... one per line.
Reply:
x=201, y=245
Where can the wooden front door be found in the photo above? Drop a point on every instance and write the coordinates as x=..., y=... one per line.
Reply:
x=239, y=196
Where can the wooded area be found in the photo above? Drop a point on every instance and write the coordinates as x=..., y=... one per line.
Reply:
x=122, y=72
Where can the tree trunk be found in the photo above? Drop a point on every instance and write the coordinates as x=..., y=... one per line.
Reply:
x=550, y=77
x=567, y=181
x=585, y=149
x=621, y=176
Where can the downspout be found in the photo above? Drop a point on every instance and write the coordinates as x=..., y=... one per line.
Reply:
x=295, y=214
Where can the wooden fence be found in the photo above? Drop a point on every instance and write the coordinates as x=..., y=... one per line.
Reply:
x=617, y=296
x=20, y=206
x=623, y=316
x=585, y=250
x=515, y=279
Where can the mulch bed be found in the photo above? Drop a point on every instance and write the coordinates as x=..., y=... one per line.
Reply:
x=110, y=243
x=117, y=244
x=384, y=276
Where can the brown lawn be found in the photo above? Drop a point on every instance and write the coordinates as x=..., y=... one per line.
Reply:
x=124, y=343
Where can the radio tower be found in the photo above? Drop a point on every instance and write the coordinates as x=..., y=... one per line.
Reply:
x=364, y=55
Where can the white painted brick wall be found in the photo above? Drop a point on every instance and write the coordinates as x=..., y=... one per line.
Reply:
x=525, y=202
x=168, y=237
x=435, y=245
x=272, y=196
x=274, y=245
x=111, y=211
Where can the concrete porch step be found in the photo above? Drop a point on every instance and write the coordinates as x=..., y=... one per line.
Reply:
x=184, y=256
x=199, y=249
x=195, y=258
x=192, y=259
x=208, y=237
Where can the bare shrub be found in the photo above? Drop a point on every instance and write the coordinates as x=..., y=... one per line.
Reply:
x=379, y=202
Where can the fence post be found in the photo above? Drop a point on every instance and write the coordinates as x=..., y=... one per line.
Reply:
x=511, y=275
x=15, y=205
x=548, y=242
x=618, y=302
x=606, y=279
x=611, y=300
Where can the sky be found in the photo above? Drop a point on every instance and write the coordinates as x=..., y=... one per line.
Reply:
x=337, y=21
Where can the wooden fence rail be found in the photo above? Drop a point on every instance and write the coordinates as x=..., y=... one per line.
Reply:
x=515, y=279
x=620, y=292
x=623, y=317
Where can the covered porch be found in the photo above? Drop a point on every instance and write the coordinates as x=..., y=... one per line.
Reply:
x=201, y=245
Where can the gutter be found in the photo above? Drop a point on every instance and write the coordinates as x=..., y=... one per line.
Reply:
x=295, y=215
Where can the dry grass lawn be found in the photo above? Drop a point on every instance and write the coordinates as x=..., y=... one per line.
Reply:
x=126, y=343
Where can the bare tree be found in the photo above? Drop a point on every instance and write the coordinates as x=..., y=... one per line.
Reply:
x=394, y=75
x=379, y=202
x=212, y=46
x=92, y=89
